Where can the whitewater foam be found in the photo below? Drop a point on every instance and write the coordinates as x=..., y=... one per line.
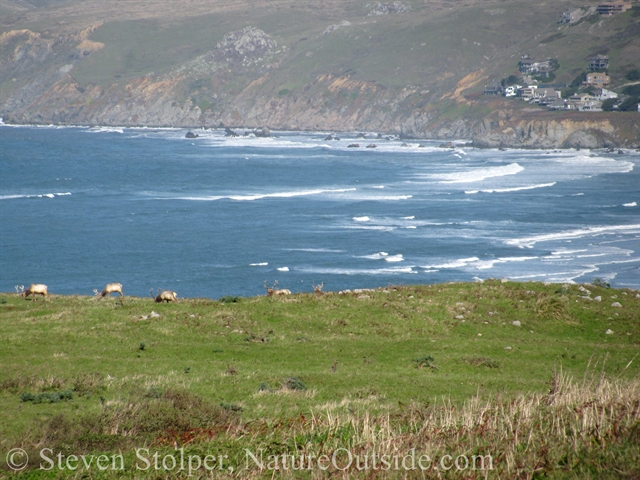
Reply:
x=358, y=271
x=462, y=262
x=248, y=198
x=529, y=242
x=477, y=174
x=42, y=195
x=512, y=189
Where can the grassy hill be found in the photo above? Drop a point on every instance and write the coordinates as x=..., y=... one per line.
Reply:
x=524, y=372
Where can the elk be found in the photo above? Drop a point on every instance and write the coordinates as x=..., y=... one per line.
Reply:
x=317, y=288
x=165, y=296
x=34, y=288
x=273, y=291
x=112, y=288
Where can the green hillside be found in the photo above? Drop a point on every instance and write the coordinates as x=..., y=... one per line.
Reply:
x=370, y=370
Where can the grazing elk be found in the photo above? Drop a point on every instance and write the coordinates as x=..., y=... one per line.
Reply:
x=165, y=296
x=34, y=288
x=273, y=291
x=317, y=288
x=112, y=288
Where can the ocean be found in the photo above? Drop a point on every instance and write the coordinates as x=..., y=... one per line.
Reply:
x=215, y=216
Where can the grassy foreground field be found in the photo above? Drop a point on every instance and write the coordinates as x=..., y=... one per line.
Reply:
x=492, y=380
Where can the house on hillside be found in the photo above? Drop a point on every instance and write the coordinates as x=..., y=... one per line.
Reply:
x=599, y=62
x=604, y=94
x=544, y=67
x=554, y=103
x=597, y=79
x=512, y=90
x=611, y=8
x=494, y=89
x=528, y=93
x=584, y=102
x=539, y=95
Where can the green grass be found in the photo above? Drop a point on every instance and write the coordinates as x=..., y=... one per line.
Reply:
x=202, y=368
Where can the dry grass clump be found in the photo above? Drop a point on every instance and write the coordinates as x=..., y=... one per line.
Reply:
x=589, y=428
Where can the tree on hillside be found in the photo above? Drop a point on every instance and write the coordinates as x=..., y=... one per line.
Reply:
x=633, y=75
x=608, y=104
x=630, y=104
x=578, y=80
x=632, y=90
x=510, y=80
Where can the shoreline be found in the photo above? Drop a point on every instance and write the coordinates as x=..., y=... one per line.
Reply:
x=445, y=143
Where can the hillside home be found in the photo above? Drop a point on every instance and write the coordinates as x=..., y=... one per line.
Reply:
x=611, y=8
x=512, y=90
x=597, y=79
x=584, y=102
x=494, y=89
x=591, y=106
x=540, y=95
x=548, y=93
x=599, y=62
x=531, y=65
x=581, y=98
x=528, y=93
x=604, y=94
x=553, y=103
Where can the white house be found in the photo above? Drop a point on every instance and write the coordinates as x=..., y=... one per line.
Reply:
x=603, y=94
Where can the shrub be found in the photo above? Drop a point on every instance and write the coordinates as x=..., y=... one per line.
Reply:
x=608, y=104
x=632, y=90
x=47, y=397
x=425, y=361
x=232, y=407
x=630, y=104
x=551, y=308
x=598, y=282
x=294, y=383
x=229, y=299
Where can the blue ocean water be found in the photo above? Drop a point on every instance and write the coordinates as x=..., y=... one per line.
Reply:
x=214, y=216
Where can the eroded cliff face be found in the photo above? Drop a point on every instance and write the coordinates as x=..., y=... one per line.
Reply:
x=235, y=85
x=579, y=132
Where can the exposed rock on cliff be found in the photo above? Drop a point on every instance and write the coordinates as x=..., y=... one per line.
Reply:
x=386, y=8
x=583, y=131
x=333, y=28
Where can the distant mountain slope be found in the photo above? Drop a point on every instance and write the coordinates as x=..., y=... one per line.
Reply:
x=410, y=67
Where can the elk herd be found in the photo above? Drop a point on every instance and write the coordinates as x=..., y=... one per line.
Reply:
x=162, y=295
